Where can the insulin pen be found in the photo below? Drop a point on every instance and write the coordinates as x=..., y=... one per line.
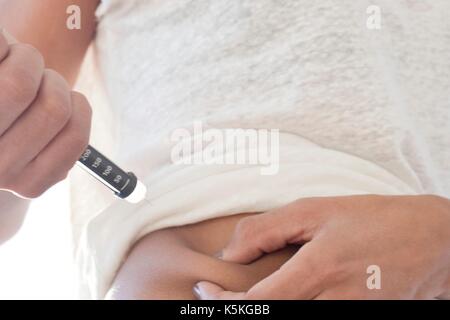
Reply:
x=125, y=185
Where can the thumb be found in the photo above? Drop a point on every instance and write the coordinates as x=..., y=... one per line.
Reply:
x=295, y=223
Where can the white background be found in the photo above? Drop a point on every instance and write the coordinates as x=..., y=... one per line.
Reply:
x=37, y=263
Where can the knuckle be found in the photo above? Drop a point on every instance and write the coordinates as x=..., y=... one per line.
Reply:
x=311, y=213
x=57, y=110
x=31, y=52
x=331, y=269
x=245, y=228
x=79, y=141
x=56, y=102
x=21, y=85
x=87, y=112
x=305, y=208
x=81, y=104
x=328, y=271
x=79, y=98
x=19, y=89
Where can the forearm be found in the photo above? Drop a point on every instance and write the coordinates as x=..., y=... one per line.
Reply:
x=12, y=214
x=43, y=24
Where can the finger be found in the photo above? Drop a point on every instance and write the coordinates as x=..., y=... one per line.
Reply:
x=21, y=73
x=38, y=125
x=205, y=290
x=300, y=278
x=267, y=232
x=54, y=162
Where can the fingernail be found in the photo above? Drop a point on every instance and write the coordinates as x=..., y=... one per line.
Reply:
x=219, y=254
x=197, y=292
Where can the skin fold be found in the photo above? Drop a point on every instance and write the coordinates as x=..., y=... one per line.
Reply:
x=167, y=263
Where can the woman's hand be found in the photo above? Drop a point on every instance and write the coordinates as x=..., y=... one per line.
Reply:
x=406, y=238
x=44, y=126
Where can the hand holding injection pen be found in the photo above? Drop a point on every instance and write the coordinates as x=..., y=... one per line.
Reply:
x=45, y=127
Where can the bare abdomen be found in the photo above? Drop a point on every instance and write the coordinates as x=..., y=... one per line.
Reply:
x=166, y=264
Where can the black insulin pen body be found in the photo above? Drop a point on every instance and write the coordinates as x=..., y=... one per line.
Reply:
x=120, y=182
